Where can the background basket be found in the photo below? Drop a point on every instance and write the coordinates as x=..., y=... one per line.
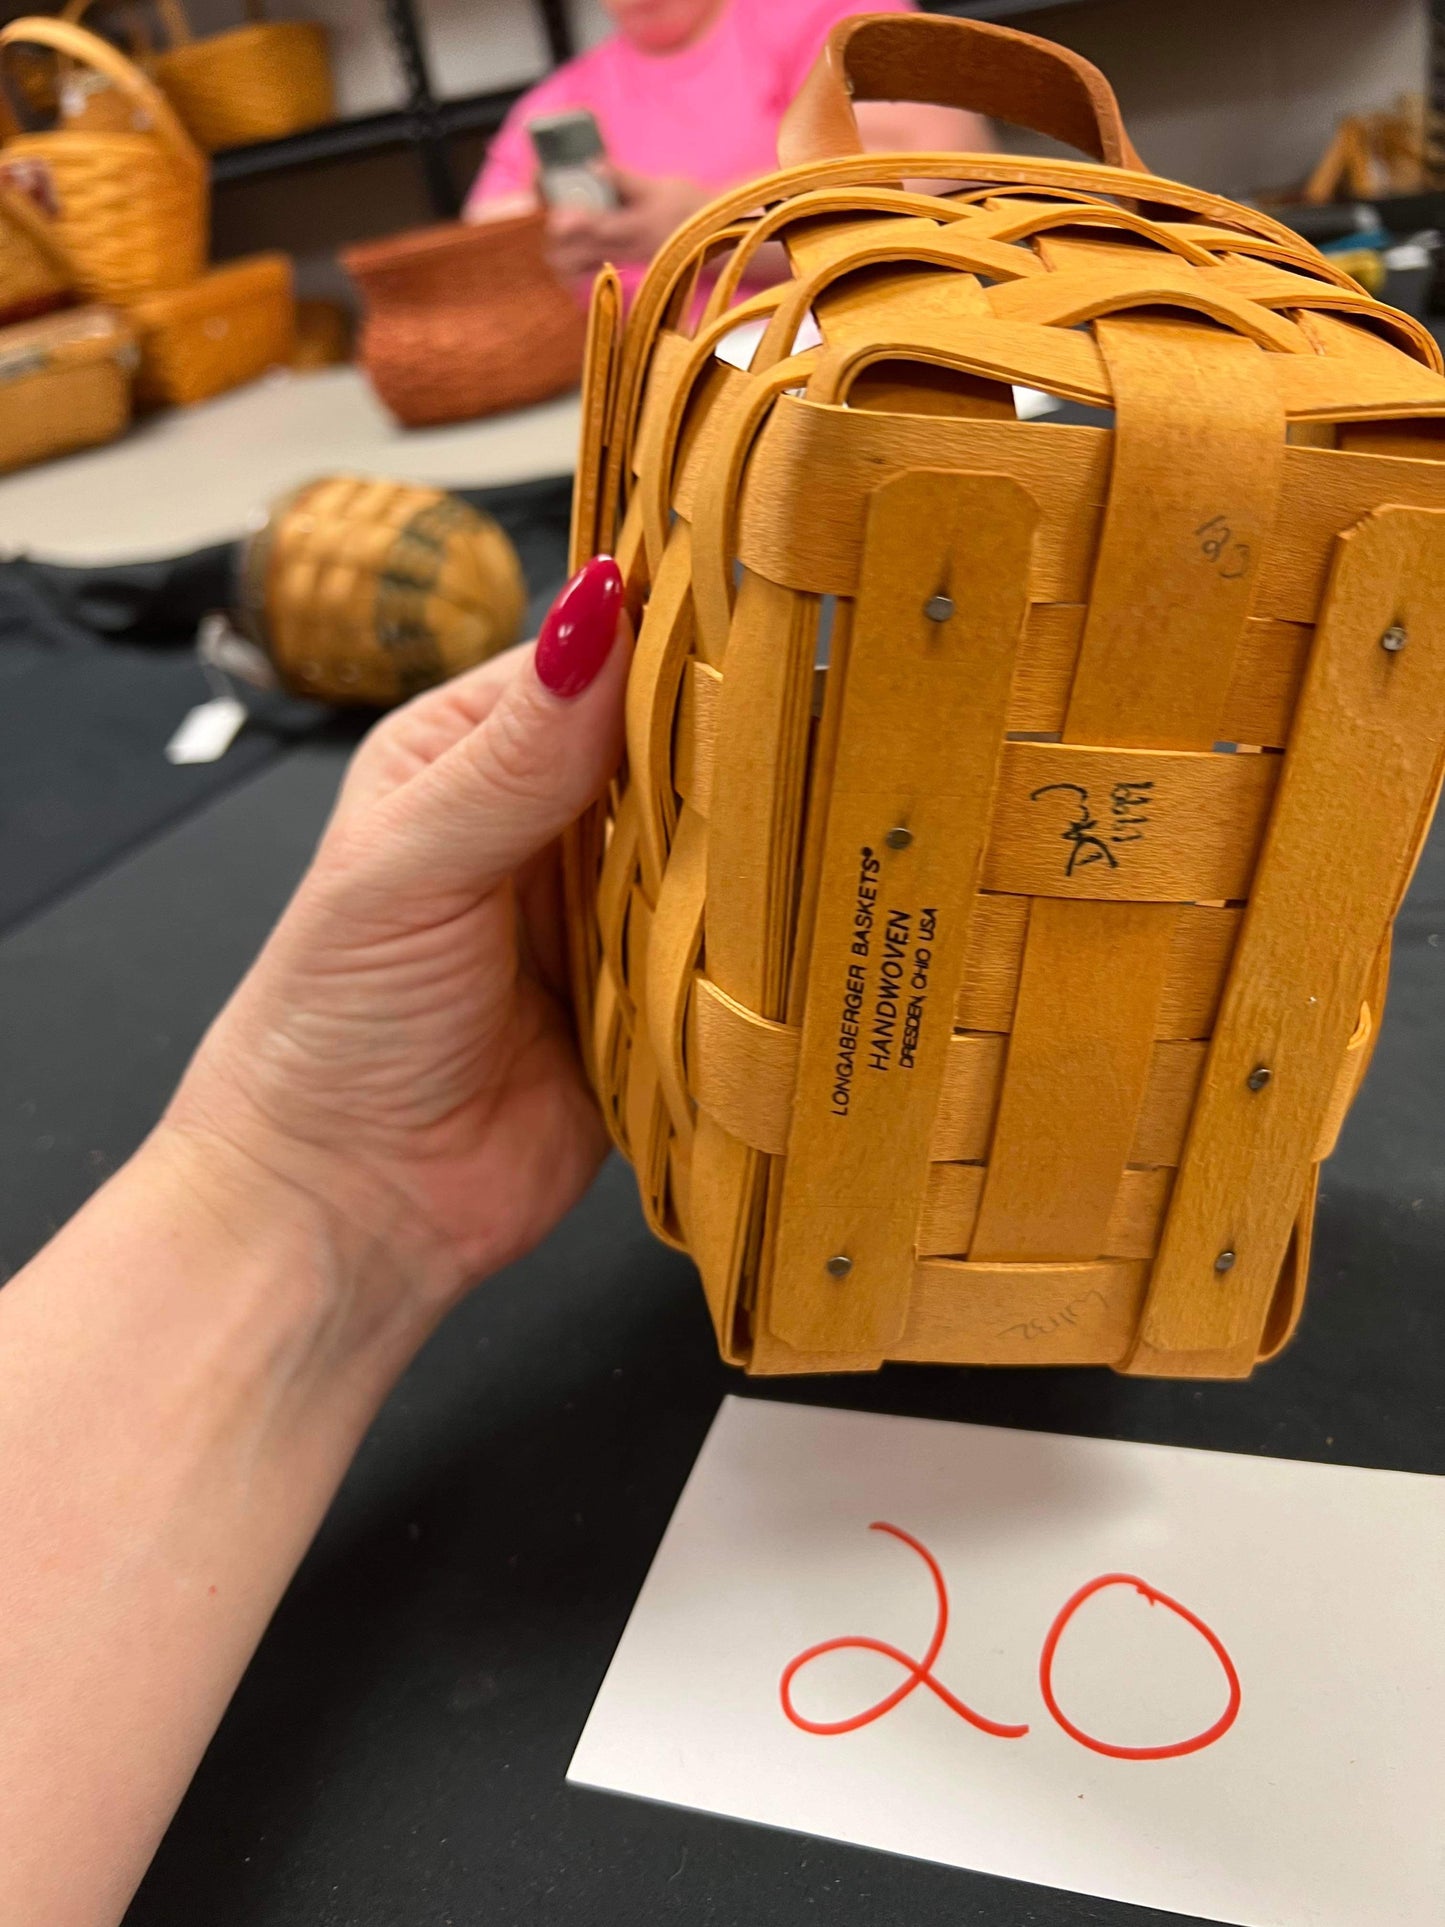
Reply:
x=34, y=274
x=228, y=327
x=465, y=320
x=64, y=384
x=366, y=591
x=80, y=95
x=991, y=927
x=253, y=83
x=131, y=206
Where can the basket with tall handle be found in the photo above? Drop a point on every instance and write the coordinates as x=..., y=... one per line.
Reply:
x=131, y=203
x=991, y=926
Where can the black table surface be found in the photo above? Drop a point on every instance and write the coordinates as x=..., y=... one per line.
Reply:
x=396, y=1755
x=98, y=668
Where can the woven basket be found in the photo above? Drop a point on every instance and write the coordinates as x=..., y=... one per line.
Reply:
x=64, y=384
x=366, y=591
x=228, y=327
x=465, y=320
x=259, y=82
x=252, y=83
x=131, y=206
x=990, y=930
x=34, y=274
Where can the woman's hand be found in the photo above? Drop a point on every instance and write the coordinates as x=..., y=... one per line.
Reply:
x=389, y=1107
x=580, y=240
x=401, y=1053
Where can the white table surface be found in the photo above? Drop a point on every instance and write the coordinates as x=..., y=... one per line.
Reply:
x=191, y=476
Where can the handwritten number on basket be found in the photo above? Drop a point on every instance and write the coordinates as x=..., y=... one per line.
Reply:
x=1217, y=545
x=919, y=1672
x=1129, y=802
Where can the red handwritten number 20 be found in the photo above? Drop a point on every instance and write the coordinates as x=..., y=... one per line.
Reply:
x=919, y=1672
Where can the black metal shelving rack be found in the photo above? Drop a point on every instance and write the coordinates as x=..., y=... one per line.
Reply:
x=424, y=122
x=428, y=124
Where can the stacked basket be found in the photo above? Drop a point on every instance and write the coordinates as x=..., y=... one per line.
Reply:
x=34, y=273
x=112, y=207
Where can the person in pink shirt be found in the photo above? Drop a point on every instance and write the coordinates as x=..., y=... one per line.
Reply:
x=689, y=95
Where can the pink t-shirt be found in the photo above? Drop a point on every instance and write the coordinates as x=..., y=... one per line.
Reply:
x=709, y=112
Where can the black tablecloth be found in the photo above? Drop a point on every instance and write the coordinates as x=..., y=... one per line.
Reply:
x=396, y=1756
x=97, y=671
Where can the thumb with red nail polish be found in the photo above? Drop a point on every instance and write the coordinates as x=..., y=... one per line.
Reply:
x=403, y=1048
x=580, y=628
x=551, y=737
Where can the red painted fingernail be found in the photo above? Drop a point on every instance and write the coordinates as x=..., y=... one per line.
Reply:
x=581, y=626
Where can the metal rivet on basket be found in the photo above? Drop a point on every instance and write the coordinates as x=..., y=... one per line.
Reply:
x=1225, y=1261
x=938, y=608
x=1259, y=1077
x=1394, y=638
x=898, y=839
x=839, y=1266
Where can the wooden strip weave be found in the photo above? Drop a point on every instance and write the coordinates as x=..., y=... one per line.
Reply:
x=1149, y=821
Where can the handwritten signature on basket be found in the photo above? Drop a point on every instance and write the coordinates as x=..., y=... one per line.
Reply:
x=919, y=1672
x=1088, y=841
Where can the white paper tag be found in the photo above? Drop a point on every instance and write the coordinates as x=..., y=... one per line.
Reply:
x=1189, y=1680
x=224, y=652
x=1031, y=403
x=207, y=732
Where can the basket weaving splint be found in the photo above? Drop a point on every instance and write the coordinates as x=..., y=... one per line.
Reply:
x=990, y=929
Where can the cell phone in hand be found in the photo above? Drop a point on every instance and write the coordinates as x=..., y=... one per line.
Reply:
x=570, y=153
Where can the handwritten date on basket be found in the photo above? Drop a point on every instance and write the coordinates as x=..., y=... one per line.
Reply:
x=1064, y=1319
x=1093, y=838
x=1217, y=544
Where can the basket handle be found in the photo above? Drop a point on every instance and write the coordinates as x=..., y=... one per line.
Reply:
x=951, y=63
x=172, y=16
x=140, y=41
x=151, y=106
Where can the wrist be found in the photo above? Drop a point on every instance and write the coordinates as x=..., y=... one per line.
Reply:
x=341, y=1284
x=186, y=1371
